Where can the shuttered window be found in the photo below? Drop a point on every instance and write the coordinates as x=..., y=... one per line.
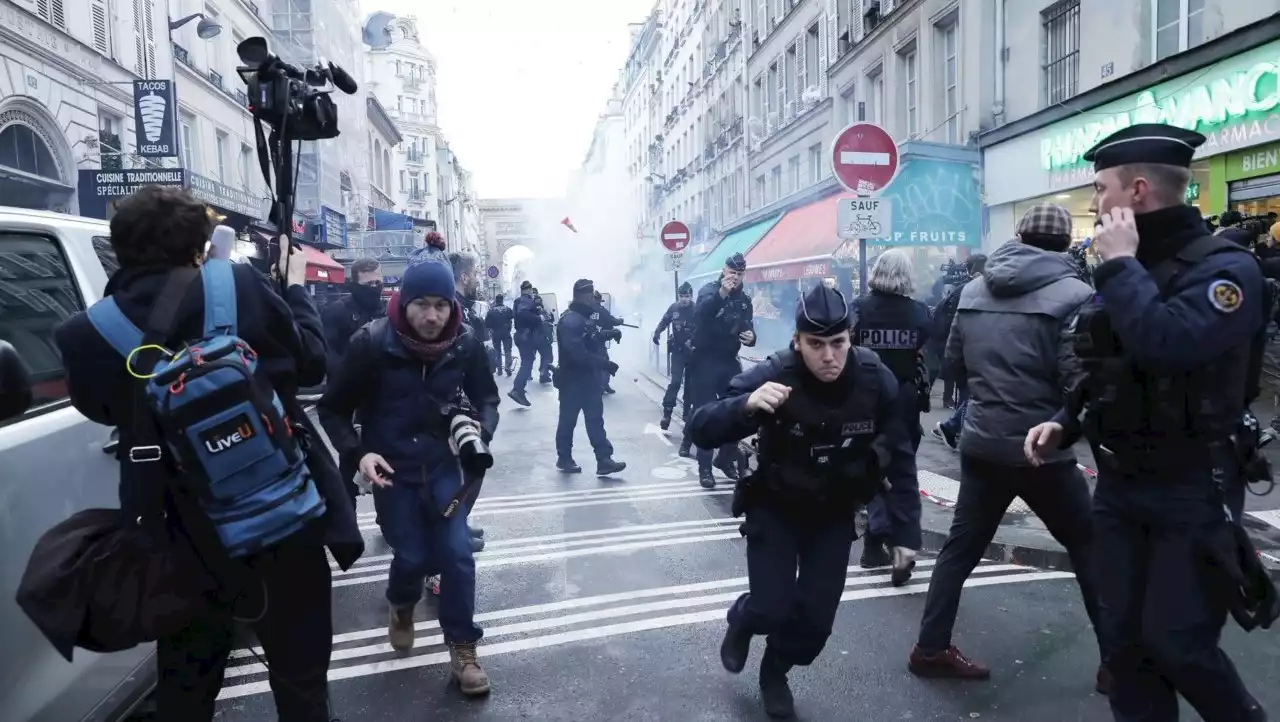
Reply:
x=101, y=29
x=51, y=11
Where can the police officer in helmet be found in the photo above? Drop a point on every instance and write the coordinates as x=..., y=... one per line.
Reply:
x=679, y=318
x=831, y=438
x=584, y=364
x=722, y=325
x=895, y=326
x=1169, y=347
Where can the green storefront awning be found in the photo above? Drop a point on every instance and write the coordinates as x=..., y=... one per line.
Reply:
x=739, y=241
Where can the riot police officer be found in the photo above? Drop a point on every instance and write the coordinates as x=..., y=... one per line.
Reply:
x=582, y=358
x=528, y=323
x=608, y=322
x=722, y=324
x=1168, y=344
x=679, y=318
x=896, y=326
x=498, y=323
x=544, y=338
x=830, y=434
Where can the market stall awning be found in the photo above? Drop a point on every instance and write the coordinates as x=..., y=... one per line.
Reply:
x=798, y=246
x=321, y=268
x=739, y=241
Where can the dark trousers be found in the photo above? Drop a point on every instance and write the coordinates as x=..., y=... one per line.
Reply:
x=527, y=350
x=879, y=523
x=585, y=398
x=795, y=611
x=1057, y=493
x=502, y=349
x=706, y=378
x=679, y=366
x=547, y=357
x=295, y=634
x=1162, y=609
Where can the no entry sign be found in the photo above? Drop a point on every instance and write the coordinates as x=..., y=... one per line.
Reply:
x=675, y=236
x=864, y=158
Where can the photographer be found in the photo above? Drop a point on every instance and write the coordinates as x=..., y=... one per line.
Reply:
x=156, y=234
x=402, y=375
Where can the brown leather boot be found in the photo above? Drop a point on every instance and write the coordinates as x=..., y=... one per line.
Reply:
x=400, y=628
x=948, y=664
x=464, y=667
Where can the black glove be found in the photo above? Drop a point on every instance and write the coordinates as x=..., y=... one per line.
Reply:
x=611, y=367
x=656, y=341
x=613, y=334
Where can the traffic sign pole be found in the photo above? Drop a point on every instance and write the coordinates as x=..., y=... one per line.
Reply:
x=864, y=158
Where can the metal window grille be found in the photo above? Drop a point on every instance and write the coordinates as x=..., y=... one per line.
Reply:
x=1061, y=51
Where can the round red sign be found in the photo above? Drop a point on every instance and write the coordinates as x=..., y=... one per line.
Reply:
x=864, y=158
x=675, y=236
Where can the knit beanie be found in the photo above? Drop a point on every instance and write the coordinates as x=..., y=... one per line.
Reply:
x=427, y=274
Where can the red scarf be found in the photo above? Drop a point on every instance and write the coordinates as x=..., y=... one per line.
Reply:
x=424, y=350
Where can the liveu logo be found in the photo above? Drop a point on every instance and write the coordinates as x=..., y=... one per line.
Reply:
x=228, y=436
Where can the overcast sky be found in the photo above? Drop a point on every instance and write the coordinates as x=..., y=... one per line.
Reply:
x=521, y=83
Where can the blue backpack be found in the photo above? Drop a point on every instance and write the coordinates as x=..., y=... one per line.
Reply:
x=224, y=430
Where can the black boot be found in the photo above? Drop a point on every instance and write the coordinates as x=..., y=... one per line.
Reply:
x=686, y=448
x=607, y=467
x=874, y=553
x=726, y=467
x=519, y=397
x=568, y=466
x=666, y=419
x=734, y=649
x=774, y=690
x=706, y=479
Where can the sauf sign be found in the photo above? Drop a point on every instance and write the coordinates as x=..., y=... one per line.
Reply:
x=155, y=119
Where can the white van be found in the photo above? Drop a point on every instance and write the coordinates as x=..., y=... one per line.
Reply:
x=53, y=463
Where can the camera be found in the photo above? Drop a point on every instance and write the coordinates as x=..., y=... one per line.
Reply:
x=954, y=274
x=473, y=453
x=292, y=101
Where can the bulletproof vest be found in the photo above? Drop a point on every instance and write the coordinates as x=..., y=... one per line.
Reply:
x=681, y=324
x=813, y=452
x=1205, y=403
x=888, y=327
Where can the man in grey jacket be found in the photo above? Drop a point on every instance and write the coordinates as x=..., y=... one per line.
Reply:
x=1008, y=343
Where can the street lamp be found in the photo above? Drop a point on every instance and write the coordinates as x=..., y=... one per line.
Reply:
x=207, y=28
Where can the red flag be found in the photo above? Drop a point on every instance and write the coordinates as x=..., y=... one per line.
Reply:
x=568, y=224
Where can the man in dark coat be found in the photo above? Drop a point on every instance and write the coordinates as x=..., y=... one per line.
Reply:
x=154, y=232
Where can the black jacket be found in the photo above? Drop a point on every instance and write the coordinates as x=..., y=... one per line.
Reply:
x=498, y=320
x=719, y=319
x=284, y=331
x=582, y=352
x=472, y=318
x=341, y=319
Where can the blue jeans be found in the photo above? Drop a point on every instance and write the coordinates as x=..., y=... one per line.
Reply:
x=954, y=424
x=423, y=542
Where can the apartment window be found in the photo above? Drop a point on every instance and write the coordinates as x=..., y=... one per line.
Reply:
x=849, y=107
x=875, y=96
x=761, y=192
x=214, y=44
x=789, y=76
x=776, y=182
x=911, y=90
x=771, y=95
x=246, y=166
x=1061, y=51
x=949, y=41
x=110, y=144
x=188, y=130
x=220, y=146
x=399, y=101
x=101, y=25
x=52, y=12
x=402, y=181
x=811, y=72
x=816, y=171
x=1176, y=26
x=793, y=173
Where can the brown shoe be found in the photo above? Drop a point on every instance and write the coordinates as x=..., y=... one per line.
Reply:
x=948, y=664
x=464, y=667
x=1102, y=684
x=400, y=628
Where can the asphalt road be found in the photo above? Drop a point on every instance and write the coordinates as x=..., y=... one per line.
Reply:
x=605, y=599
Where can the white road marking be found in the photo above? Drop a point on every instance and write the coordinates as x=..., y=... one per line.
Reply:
x=655, y=430
x=488, y=501
x=481, y=563
x=1271, y=516
x=668, y=472
x=610, y=630
x=611, y=533
x=556, y=506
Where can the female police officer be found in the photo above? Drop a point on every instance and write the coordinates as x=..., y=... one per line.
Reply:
x=829, y=434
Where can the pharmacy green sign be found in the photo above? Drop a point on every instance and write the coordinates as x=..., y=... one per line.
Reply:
x=1238, y=91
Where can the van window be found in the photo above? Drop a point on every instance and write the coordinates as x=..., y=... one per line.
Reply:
x=106, y=255
x=37, y=293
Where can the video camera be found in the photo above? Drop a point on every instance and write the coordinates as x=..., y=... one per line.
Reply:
x=295, y=104
x=1255, y=225
x=954, y=274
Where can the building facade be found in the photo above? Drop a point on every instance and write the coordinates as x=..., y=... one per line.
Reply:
x=384, y=141
x=639, y=89
x=456, y=204
x=66, y=100
x=1208, y=65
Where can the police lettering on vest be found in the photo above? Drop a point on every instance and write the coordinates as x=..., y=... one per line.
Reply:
x=889, y=339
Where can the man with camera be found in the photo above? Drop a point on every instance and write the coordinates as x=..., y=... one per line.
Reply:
x=403, y=375
x=582, y=363
x=362, y=304
x=158, y=235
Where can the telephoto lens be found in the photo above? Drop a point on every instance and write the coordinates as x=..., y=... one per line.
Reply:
x=473, y=453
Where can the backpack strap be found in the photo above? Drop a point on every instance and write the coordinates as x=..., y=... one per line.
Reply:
x=219, y=297
x=1190, y=255
x=111, y=323
x=868, y=373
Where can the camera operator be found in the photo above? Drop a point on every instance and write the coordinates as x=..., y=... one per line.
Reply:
x=583, y=362
x=155, y=234
x=402, y=375
x=343, y=318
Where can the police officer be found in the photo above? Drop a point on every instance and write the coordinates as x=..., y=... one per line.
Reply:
x=498, y=322
x=582, y=358
x=544, y=338
x=528, y=323
x=1168, y=344
x=608, y=322
x=830, y=434
x=341, y=320
x=722, y=325
x=896, y=326
x=679, y=318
